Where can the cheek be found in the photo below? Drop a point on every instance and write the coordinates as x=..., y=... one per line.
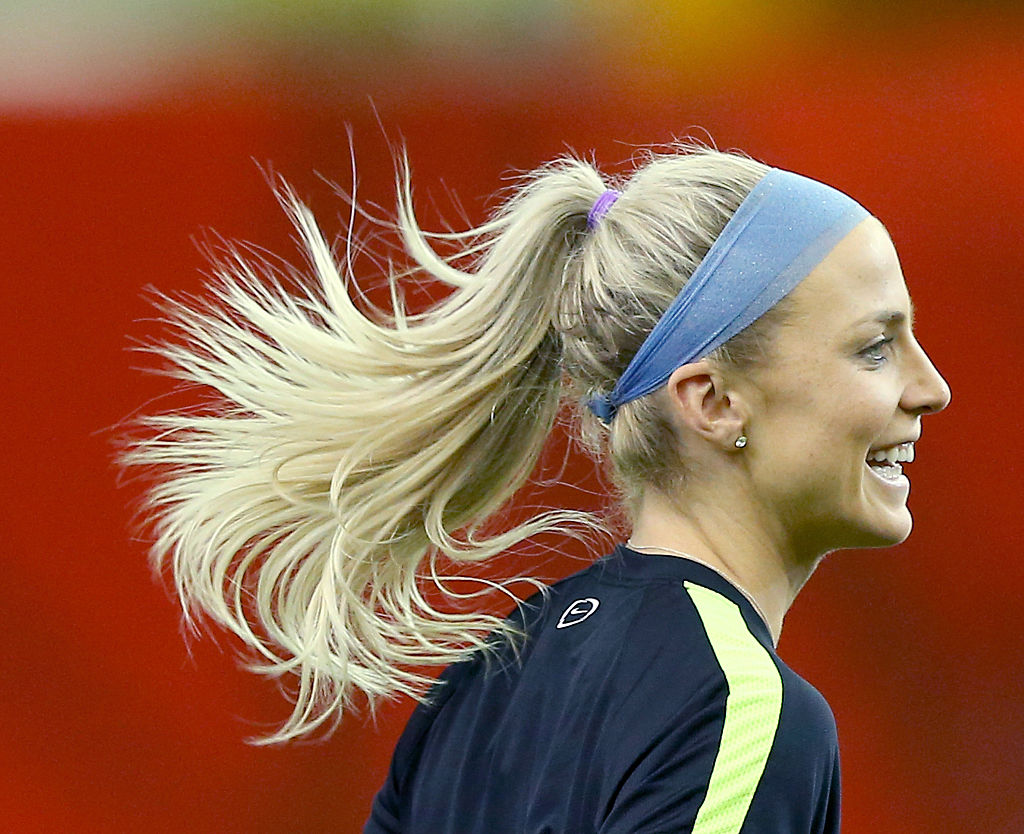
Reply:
x=823, y=414
x=806, y=422
x=824, y=440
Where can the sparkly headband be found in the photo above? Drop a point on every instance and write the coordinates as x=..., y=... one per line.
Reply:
x=781, y=231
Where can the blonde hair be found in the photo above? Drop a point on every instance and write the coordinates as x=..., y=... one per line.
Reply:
x=352, y=450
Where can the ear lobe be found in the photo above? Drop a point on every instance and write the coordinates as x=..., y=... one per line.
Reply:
x=701, y=402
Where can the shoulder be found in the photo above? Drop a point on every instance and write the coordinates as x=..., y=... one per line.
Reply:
x=753, y=747
x=763, y=692
x=649, y=630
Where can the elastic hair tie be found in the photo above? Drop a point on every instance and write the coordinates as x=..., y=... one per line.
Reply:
x=600, y=207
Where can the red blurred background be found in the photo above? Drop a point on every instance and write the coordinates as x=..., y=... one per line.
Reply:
x=120, y=155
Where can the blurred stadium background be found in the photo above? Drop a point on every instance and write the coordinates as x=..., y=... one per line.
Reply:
x=129, y=129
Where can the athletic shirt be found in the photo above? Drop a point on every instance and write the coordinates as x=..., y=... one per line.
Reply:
x=645, y=697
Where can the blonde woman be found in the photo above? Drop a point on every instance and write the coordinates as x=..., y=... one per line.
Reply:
x=738, y=341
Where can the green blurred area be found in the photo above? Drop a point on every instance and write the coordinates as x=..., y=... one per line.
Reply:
x=55, y=53
x=414, y=23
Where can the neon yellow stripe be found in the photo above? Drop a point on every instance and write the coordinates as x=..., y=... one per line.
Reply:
x=751, y=713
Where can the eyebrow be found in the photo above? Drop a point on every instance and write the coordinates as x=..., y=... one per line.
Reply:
x=889, y=317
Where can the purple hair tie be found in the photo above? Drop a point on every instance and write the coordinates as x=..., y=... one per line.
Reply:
x=600, y=207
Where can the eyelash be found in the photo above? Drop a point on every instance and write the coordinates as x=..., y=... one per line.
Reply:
x=874, y=350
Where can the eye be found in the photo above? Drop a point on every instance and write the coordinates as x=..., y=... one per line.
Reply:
x=877, y=352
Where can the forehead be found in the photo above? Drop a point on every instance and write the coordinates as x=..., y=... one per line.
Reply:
x=860, y=277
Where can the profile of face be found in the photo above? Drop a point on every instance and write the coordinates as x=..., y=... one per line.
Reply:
x=839, y=406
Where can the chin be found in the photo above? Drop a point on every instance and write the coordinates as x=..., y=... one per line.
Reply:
x=862, y=534
x=892, y=531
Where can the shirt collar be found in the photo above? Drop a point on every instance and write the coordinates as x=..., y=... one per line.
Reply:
x=624, y=564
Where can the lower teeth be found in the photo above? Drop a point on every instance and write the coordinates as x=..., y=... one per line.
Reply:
x=890, y=472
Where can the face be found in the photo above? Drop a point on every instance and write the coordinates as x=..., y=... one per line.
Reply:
x=847, y=383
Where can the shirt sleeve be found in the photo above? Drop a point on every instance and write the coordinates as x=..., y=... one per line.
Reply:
x=383, y=815
x=388, y=812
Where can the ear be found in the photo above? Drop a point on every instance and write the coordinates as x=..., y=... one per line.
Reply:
x=700, y=400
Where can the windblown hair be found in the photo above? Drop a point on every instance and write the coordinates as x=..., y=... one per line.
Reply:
x=351, y=450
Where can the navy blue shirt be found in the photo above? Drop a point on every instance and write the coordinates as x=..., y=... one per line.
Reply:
x=646, y=697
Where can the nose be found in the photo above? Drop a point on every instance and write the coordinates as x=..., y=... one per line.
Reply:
x=926, y=391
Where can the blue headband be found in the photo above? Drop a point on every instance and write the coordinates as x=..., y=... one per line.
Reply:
x=781, y=231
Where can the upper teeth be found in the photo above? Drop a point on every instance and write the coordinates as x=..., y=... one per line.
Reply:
x=903, y=452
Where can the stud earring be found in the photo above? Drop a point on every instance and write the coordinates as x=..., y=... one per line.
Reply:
x=741, y=441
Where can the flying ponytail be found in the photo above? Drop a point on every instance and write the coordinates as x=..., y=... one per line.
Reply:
x=349, y=452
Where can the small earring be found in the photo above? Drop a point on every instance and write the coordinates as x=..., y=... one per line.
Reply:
x=741, y=441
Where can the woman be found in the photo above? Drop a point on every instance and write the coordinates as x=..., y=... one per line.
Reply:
x=741, y=337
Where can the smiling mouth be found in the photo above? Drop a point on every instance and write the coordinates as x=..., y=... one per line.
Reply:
x=886, y=463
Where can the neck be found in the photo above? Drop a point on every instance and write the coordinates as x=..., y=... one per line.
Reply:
x=740, y=550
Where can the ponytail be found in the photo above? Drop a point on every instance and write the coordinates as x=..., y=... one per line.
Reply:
x=349, y=452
